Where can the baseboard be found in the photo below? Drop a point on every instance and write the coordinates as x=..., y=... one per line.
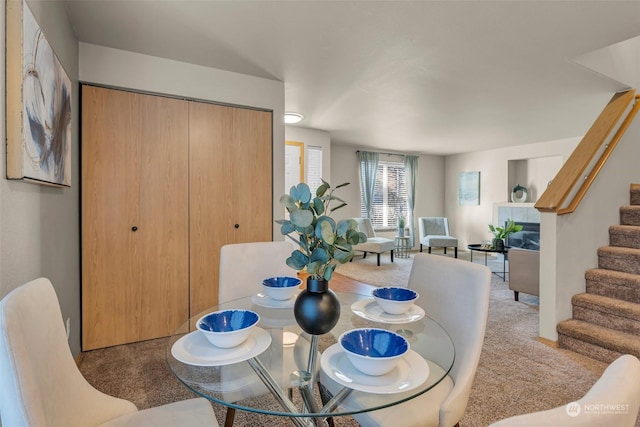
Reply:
x=548, y=342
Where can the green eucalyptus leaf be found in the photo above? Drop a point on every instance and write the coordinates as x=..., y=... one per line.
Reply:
x=301, y=192
x=307, y=231
x=287, y=227
x=297, y=260
x=304, y=243
x=288, y=202
x=326, y=229
x=342, y=205
x=314, y=267
x=343, y=227
x=301, y=218
x=319, y=254
x=352, y=237
x=328, y=272
x=322, y=189
x=332, y=197
x=342, y=255
x=318, y=206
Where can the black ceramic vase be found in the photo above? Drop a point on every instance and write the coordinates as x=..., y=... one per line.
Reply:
x=317, y=308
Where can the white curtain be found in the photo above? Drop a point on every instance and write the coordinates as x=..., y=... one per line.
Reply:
x=411, y=170
x=368, y=169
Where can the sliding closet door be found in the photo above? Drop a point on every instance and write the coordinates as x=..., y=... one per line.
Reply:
x=134, y=216
x=230, y=191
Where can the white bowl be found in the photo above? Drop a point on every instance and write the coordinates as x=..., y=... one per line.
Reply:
x=281, y=288
x=373, y=351
x=395, y=300
x=228, y=328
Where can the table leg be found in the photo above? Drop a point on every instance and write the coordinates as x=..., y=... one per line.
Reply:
x=336, y=400
x=277, y=392
x=504, y=267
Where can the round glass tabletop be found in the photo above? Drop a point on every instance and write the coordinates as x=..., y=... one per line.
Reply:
x=270, y=372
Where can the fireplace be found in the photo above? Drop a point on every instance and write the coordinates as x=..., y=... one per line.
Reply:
x=528, y=238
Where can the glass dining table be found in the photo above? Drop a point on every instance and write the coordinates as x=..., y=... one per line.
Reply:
x=280, y=370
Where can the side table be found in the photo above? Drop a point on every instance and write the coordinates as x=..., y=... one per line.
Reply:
x=402, y=247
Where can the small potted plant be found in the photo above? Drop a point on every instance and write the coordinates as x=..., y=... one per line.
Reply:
x=501, y=233
x=401, y=224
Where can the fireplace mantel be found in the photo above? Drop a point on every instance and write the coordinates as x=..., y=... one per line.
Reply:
x=519, y=212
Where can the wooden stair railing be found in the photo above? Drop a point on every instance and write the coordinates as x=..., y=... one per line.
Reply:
x=562, y=186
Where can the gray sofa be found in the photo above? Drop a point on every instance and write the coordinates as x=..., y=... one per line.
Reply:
x=524, y=271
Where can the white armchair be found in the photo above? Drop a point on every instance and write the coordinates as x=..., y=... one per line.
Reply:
x=374, y=244
x=41, y=385
x=618, y=388
x=434, y=233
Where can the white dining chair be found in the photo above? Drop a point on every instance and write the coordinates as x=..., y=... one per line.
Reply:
x=243, y=266
x=614, y=400
x=41, y=385
x=455, y=294
x=257, y=261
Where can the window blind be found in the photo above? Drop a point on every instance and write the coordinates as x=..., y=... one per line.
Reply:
x=314, y=167
x=390, y=195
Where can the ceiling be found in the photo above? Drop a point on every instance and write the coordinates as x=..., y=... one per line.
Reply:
x=436, y=77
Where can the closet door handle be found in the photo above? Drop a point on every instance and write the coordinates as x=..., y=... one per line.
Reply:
x=236, y=226
x=134, y=228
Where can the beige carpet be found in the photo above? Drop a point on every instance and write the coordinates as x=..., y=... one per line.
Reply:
x=516, y=374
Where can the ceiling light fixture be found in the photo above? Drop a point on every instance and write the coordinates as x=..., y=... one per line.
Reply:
x=291, y=118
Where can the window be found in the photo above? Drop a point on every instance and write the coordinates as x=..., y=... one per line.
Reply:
x=314, y=167
x=390, y=195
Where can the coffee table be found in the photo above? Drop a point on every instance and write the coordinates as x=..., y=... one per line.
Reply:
x=479, y=248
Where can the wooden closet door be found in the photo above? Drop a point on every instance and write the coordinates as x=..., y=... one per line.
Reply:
x=230, y=192
x=252, y=201
x=163, y=228
x=134, y=216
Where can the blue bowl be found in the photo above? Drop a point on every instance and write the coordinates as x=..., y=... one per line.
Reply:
x=373, y=351
x=227, y=328
x=281, y=288
x=394, y=300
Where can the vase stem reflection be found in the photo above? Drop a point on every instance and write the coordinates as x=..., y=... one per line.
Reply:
x=317, y=308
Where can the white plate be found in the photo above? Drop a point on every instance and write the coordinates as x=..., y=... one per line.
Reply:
x=369, y=309
x=264, y=300
x=195, y=349
x=410, y=372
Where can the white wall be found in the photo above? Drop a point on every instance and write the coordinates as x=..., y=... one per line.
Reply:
x=39, y=231
x=318, y=138
x=121, y=69
x=533, y=174
x=429, y=183
x=470, y=224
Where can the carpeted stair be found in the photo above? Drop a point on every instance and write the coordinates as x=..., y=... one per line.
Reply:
x=606, y=319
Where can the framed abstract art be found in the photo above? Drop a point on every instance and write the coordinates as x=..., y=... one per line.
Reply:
x=469, y=189
x=38, y=103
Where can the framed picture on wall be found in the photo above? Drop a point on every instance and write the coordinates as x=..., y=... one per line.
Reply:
x=38, y=103
x=469, y=188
